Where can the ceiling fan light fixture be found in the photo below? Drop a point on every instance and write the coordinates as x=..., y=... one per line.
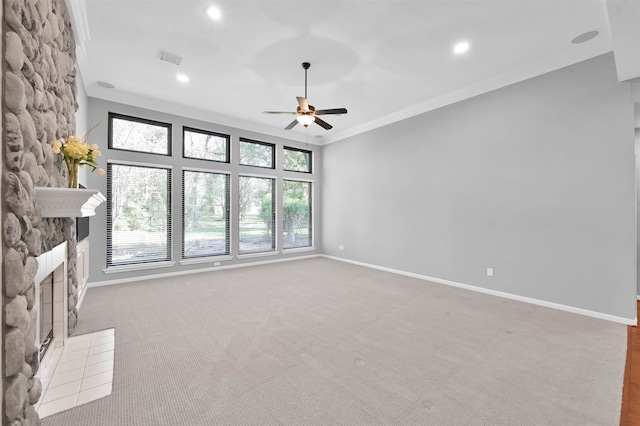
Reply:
x=305, y=119
x=307, y=114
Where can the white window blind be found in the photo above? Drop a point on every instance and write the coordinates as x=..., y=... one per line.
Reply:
x=257, y=214
x=138, y=214
x=205, y=220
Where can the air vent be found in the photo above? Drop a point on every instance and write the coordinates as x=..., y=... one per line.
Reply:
x=169, y=57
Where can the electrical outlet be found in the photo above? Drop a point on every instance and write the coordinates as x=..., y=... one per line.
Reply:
x=216, y=264
x=341, y=247
x=489, y=272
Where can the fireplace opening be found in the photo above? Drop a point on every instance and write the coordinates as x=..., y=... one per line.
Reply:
x=46, y=314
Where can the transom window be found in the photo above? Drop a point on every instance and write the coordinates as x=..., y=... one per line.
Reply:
x=205, y=145
x=257, y=154
x=296, y=160
x=138, y=134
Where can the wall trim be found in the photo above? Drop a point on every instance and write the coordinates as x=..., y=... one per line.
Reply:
x=544, y=303
x=467, y=92
x=192, y=271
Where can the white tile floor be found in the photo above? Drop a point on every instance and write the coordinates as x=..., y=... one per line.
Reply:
x=79, y=372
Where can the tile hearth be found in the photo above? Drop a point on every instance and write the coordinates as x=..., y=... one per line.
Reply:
x=79, y=372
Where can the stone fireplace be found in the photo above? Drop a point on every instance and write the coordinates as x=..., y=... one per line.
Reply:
x=52, y=266
x=44, y=334
x=39, y=106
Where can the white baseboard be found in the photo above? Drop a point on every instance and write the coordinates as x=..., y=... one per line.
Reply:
x=533, y=301
x=191, y=271
x=511, y=296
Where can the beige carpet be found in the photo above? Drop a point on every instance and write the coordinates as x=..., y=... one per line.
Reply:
x=322, y=342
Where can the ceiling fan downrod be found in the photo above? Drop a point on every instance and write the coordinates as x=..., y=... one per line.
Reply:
x=306, y=66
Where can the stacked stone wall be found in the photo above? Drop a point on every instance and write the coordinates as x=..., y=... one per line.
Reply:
x=39, y=105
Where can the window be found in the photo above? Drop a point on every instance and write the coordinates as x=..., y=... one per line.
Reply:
x=297, y=160
x=205, y=221
x=138, y=214
x=296, y=211
x=258, y=154
x=257, y=224
x=204, y=145
x=137, y=134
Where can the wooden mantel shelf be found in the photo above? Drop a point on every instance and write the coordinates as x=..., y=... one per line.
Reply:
x=68, y=202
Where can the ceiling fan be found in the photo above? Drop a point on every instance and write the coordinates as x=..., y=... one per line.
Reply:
x=307, y=114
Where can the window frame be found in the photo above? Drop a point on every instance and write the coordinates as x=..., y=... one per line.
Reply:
x=311, y=215
x=274, y=225
x=170, y=225
x=253, y=141
x=289, y=148
x=227, y=252
x=168, y=126
x=210, y=133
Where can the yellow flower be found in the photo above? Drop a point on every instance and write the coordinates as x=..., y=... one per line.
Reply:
x=56, y=146
x=76, y=150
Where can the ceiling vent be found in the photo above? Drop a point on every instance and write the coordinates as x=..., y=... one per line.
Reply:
x=169, y=57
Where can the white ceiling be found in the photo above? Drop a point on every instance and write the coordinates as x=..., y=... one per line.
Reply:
x=384, y=60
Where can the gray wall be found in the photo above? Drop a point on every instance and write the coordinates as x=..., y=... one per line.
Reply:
x=536, y=180
x=638, y=206
x=98, y=113
x=81, y=115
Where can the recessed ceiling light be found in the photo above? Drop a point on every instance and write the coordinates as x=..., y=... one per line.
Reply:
x=182, y=77
x=583, y=38
x=214, y=13
x=106, y=85
x=461, y=47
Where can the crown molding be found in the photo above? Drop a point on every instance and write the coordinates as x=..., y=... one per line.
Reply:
x=468, y=92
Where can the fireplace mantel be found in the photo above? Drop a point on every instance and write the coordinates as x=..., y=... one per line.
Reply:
x=68, y=202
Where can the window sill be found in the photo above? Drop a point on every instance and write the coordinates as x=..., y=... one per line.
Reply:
x=261, y=254
x=207, y=259
x=298, y=250
x=138, y=267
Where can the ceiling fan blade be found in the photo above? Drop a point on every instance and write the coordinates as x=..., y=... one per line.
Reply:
x=331, y=111
x=291, y=125
x=278, y=112
x=323, y=123
x=304, y=105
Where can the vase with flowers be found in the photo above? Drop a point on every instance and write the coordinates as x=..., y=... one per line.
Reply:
x=78, y=153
